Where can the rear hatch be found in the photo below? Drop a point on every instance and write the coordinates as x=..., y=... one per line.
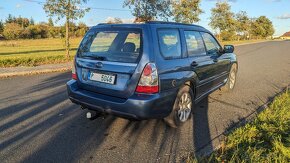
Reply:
x=107, y=59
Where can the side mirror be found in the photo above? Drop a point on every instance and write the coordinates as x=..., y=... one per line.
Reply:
x=229, y=49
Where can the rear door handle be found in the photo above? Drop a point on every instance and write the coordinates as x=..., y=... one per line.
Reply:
x=194, y=64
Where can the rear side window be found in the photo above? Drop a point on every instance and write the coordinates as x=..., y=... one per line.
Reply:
x=169, y=43
x=211, y=44
x=115, y=46
x=194, y=43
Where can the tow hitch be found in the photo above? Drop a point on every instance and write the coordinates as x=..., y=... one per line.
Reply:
x=92, y=115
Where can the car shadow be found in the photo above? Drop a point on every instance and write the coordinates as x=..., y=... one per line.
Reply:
x=46, y=127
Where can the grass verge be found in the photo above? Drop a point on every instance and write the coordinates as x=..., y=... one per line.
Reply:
x=241, y=42
x=265, y=139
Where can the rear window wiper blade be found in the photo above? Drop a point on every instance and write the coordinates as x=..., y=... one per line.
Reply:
x=95, y=57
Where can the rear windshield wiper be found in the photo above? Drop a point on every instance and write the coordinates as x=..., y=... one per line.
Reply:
x=95, y=57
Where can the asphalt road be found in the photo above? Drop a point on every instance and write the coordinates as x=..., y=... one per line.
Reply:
x=39, y=124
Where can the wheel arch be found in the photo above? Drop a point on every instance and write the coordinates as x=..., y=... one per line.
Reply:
x=192, y=85
x=235, y=63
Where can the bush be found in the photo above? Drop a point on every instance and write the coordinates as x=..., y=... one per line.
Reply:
x=12, y=31
x=39, y=31
x=26, y=34
x=228, y=35
x=81, y=32
x=54, y=32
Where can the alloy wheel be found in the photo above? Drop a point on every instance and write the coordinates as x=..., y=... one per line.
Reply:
x=232, y=79
x=185, y=104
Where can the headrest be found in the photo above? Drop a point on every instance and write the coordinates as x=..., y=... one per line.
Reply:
x=129, y=47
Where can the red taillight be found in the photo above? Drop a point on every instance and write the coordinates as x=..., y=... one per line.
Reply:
x=74, y=76
x=73, y=71
x=147, y=89
x=148, y=82
x=147, y=70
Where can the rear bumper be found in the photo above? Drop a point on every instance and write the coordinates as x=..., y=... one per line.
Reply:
x=138, y=106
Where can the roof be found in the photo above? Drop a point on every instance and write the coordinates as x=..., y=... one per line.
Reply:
x=287, y=34
x=156, y=22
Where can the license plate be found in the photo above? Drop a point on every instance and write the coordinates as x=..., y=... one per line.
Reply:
x=104, y=78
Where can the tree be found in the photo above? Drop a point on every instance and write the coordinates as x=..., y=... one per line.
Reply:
x=68, y=9
x=50, y=22
x=23, y=22
x=186, y=11
x=243, y=23
x=82, y=29
x=12, y=31
x=222, y=19
x=54, y=32
x=26, y=33
x=262, y=27
x=31, y=21
x=10, y=19
x=72, y=29
x=1, y=27
x=39, y=31
x=146, y=10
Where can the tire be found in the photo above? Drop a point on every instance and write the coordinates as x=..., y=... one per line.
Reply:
x=232, y=79
x=182, y=108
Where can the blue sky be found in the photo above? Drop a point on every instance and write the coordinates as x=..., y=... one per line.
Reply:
x=277, y=10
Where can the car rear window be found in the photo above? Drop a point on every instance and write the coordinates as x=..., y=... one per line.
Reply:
x=115, y=46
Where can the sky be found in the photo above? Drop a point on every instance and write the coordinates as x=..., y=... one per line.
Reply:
x=278, y=11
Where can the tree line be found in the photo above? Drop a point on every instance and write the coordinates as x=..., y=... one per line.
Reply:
x=24, y=28
x=227, y=25
x=231, y=26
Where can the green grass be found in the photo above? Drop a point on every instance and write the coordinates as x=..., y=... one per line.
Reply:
x=34, y=52
x=265, y=139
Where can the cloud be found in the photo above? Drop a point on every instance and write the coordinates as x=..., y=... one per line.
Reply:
x=18, y=5
x=284, y=16
x=123, y=20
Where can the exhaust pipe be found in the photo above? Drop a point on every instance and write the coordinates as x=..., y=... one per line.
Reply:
x=92, y=115
x=89, y=115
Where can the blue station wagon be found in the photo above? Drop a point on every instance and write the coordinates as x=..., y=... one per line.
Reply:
x=149, y=70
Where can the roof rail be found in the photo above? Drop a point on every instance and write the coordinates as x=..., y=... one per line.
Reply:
x=158, y=22
x=103, y=23
x=175, y=23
